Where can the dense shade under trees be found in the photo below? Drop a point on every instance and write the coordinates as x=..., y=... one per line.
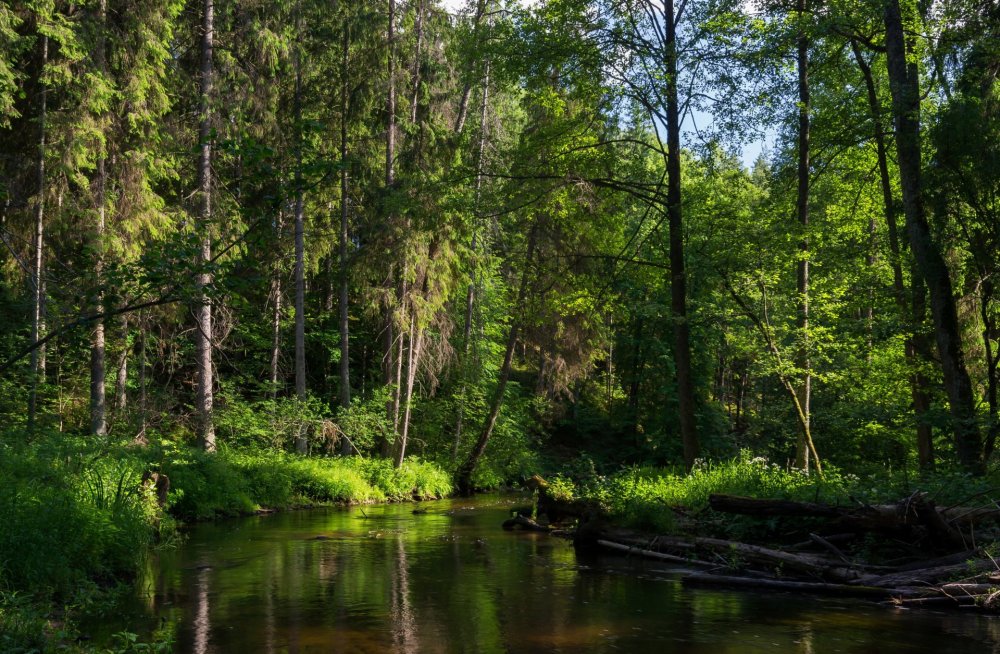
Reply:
x=496, y=236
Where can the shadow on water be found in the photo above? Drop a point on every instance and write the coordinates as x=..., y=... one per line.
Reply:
x=450, y=580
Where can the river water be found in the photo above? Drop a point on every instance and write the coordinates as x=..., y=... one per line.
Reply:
x=383, y=579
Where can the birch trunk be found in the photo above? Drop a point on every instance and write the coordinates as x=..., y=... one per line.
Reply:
x=203, y=310
x=39, y=242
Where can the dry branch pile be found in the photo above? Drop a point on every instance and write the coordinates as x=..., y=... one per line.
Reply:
x=944, y=564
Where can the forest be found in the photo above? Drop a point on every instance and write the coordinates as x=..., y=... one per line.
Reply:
x=271, y=254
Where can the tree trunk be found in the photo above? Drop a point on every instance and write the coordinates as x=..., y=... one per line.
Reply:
x=412, y=364
x=470, y=296
x=986, y=289
x=802, y=362
x=98, y=410
x=916, y=346
x=464, y=473
x=143, y=401
x=678, y=276
x=300, y=249
x=39, y=241
x=415, y=92
x=276, y=321
x=345, y=361
x=121, y=373
x=390, y=363
x=203, y=333
x=463, y=104
x=905, y=87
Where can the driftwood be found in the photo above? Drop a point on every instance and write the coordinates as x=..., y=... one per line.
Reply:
x=651, y=554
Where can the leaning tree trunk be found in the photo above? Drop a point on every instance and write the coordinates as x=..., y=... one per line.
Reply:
x=465, y=472
x=203, y=309
x=802, y=362
x=389, y=361
x=916, y=349
x=678, y=276
x=470, y=295
x=905, y=86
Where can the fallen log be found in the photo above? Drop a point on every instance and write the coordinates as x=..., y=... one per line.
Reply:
x=941, y=600
x=628, y=549
x=928, y=576
x=807, y=564
x=821, y=588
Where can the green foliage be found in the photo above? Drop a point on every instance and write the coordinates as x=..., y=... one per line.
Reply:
x=71, y=512
x=235, y=482
x=644, y=497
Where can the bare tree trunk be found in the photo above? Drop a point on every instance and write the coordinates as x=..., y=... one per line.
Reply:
x=300, y=277
x=678, y=276
x=397, y=390
x=98, y=410
x=905, y=86
x=804, y=390
x=203, y=333
x=39, y=244
x=276, y=296
x=465, y=472
x=412, y=364
x=917, y=349
x=345, y=360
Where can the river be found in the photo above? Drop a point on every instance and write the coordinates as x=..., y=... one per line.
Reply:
x=383, y=579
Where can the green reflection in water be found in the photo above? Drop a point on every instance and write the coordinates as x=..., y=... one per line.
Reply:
x=450, y=580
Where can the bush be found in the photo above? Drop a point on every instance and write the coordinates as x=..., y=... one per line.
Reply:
x=71, y=512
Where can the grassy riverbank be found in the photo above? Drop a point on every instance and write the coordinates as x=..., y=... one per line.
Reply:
x=79, y=519
x=655, y=499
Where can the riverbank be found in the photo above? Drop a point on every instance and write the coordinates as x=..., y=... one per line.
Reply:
x=80, y=516
x=928, y=540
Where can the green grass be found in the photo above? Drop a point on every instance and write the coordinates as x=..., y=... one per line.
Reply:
x=644, y=498
x=232, y=482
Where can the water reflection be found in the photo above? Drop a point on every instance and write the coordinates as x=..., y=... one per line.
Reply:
x=451, y=581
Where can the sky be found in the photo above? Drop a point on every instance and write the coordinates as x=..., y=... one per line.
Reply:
x=702, y=119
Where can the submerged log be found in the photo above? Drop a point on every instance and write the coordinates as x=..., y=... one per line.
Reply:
x=821, y=588
x=729, y=551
